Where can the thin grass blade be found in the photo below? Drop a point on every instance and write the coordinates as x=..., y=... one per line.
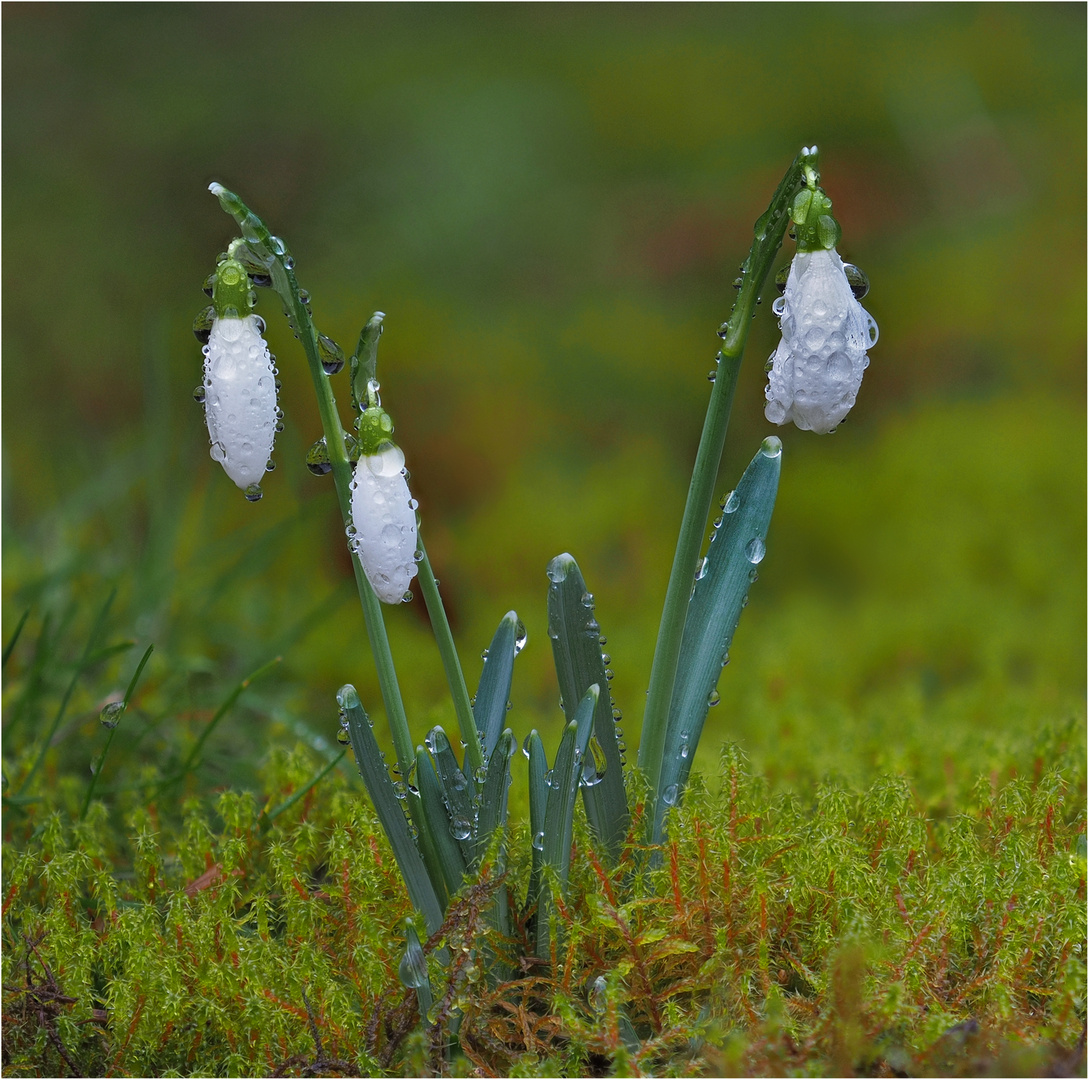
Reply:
x=372, y=769
x=721, y=589
x=576, y=651
x=412, y=972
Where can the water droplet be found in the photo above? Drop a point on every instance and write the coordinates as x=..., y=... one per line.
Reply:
x=598, y=999
x=200, y=394
x=701, y=570
x=669, y=796
x=711, y=375
x=771, y=447
x=621, y=746
x=587, y=600
x=754, y=550
x=331, y=354
x=548, y=778
x=860, y=284
x=343, y=737
x=481, y=774
x=412, y=971
x=753, y=575
x=253, y=493
x=525, y=745
x=606, y=659
x=731, y=503
x=111, y=713
x=593, y=769
x=400, y=789
x=602, y=641
x=460, y=829
x=609, y=674
x=779, y=306
x=484, y=655
x=538, y=841
x=684, y=744
x=713, y=698
x=317, y=458
x=725, y=658
x=617, y=715
x=520, y=637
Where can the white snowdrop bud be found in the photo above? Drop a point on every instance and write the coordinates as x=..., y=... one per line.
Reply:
x=817, y=369
x=384, y=522
x=240, y=399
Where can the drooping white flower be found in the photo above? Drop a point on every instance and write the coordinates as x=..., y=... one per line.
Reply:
x=384, y=522
x=817, y=369
x=240, y=399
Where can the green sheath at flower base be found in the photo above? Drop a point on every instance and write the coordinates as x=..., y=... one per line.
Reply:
x=814, y=226
x=231, y=290
x=374, y=428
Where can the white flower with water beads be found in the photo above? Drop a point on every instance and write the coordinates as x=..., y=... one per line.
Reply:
x=817, y=369
x=383, y=528
x=239, y=384
x=815, y=373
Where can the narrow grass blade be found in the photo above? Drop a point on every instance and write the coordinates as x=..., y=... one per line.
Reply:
x=441, y=826
x=10, y=646
x=490, y=706
x=457, y=793
x=111, y=715
x=96, y=630
x=232, y=697
x=372, y=769
x=560, y=811
x=266, y=818
x=576, y=651
x=721, y=589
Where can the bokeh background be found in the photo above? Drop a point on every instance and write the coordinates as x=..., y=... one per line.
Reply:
x=549, y=202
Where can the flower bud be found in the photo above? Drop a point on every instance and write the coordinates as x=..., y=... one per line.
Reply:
x=240, y=399
x=383, y=533
x=817, y=369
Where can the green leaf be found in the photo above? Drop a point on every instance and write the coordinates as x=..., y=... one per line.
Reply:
x=576, y=651
x=492, y=814
x=560, y=810
x=457, y=791
x=372, y=769
x=491, y=836
x=721, y=589
x=490, y=706
x=538, y=802
x=440, y=824
x=412, y=971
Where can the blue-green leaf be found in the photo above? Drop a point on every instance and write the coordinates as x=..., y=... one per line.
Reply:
x=458, y=792
x=560, y=810
x=721, y=590
x=368, y=759
x=538, y=802
x=490, y=706
x=576, y=651
x=440, y=827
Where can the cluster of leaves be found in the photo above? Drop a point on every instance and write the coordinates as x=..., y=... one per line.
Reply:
x=851, y=933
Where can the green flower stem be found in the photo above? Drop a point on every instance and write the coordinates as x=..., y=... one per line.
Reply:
x=459, y=692
x=767, y=239
x=274, y=256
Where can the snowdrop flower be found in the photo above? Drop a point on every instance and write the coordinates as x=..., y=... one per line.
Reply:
x=815, y=373
x=239, y=390
x=383, y=529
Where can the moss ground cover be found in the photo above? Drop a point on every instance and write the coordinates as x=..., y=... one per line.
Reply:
x=881, y=868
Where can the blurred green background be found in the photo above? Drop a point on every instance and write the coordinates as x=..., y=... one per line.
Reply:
x=549, y=202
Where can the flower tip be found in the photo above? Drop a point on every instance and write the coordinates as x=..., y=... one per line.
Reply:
x=216, y=188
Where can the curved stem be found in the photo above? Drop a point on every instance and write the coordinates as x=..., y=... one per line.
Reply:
x=444, y=638
x=767, y=239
